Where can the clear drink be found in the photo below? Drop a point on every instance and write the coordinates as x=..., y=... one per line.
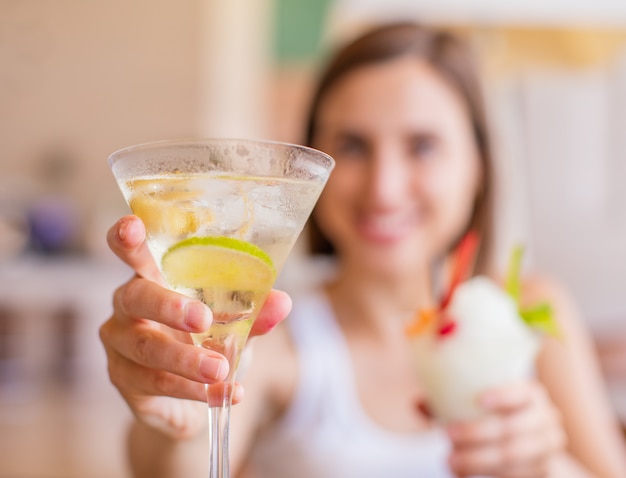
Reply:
x=221, y=217
x=265, y=212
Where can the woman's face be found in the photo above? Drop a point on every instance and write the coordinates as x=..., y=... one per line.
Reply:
x=407, y=169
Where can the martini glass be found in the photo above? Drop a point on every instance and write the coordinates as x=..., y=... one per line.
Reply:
x=221, y=217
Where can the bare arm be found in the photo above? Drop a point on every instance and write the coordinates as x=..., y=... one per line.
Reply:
x=569, y=370
x=157, y=455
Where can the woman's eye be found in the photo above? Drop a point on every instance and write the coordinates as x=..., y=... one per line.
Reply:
x=351, y=148
x=423, y=146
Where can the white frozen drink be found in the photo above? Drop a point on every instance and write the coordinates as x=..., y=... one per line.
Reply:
x=482, y=343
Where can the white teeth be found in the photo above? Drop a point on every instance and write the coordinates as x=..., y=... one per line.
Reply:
x=386, y=224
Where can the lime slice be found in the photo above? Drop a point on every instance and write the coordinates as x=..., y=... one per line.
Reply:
x=218, y=262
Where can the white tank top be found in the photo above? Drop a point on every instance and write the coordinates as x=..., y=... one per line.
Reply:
x=325, y=433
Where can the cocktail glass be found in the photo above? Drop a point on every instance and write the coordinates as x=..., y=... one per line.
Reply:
x=221, y=217
x=479, y=342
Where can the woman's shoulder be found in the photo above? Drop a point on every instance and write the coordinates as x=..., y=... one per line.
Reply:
x=538, y=287
x=542, y=290
x=542, y=287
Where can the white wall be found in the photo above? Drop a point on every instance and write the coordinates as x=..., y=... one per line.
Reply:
x=575, y=155
x=554, y=12
x=88, y=77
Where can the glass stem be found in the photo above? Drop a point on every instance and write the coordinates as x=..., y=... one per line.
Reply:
x=219, y=399
x=218, y=426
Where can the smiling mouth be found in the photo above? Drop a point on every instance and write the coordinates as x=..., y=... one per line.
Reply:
x=386, y=228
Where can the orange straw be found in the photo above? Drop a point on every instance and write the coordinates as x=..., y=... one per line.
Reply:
x=422, y=320
x=465, y=256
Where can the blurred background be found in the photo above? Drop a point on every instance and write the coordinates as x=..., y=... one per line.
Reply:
x=82, y=78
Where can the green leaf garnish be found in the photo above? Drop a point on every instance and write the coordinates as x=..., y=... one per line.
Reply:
x=514, y=273
x=541, y=317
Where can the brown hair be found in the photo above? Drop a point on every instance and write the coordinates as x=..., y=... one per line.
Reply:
x=452, y=58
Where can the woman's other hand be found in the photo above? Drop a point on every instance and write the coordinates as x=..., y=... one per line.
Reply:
x=518, y=439
x=151, y=358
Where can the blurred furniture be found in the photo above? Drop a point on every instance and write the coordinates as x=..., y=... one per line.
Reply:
x=50, y=311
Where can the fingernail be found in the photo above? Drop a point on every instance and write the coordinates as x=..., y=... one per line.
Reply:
x=198, y=316
x=268, y=326
x=213, y=368
x=122, y=229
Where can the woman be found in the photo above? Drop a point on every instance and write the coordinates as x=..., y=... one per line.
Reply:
x=332, y=393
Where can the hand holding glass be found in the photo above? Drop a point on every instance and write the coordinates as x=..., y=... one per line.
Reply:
x=221, y=217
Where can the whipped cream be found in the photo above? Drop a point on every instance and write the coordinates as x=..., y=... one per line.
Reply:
x=489, y=347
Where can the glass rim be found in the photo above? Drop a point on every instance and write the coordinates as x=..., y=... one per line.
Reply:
x=146, y=146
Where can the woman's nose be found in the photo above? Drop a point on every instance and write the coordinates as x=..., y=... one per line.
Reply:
x=388, y=179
